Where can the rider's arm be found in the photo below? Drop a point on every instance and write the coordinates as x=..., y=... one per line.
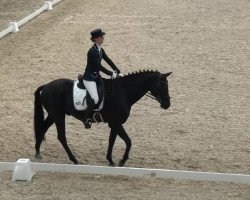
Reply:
x=110, y=62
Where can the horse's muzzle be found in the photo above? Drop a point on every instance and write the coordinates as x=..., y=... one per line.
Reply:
x=165, y=105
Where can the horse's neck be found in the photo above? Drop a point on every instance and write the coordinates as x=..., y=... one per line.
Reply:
x=138, y=85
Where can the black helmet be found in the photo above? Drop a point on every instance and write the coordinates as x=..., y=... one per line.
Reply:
x=96, y=33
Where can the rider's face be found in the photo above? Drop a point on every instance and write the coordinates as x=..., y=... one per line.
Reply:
x=99, y=40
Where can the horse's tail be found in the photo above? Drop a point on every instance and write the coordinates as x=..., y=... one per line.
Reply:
x=38, y=115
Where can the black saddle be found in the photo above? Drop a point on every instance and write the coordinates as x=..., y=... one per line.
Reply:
x=100, y=89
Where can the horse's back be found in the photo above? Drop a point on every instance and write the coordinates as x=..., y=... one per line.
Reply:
x=55, y=93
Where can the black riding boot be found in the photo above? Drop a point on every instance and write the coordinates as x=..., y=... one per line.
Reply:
x=88, y=114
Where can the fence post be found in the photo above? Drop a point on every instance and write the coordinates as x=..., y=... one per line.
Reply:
x=15, y=26
x=23, y=171
x=48, y=4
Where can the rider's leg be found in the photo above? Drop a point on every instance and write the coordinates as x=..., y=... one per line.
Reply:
x=92, y=89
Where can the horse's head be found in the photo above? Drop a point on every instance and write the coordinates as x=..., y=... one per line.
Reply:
x=160, y=90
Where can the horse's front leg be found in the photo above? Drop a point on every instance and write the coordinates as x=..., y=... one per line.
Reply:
x=124, y=136
x=112, y=138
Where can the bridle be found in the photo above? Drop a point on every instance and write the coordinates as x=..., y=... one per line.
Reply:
x=158, y=98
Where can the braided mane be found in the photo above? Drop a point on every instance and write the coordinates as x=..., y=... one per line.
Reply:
x=141, y=71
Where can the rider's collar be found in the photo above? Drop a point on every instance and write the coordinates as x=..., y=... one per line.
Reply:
x=98, y=47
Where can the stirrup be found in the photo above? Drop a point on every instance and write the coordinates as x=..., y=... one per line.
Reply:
x=88, y=123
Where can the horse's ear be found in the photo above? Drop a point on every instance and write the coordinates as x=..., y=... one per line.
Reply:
x=167, y=74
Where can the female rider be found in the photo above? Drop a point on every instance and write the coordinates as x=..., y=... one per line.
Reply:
x=91, y=74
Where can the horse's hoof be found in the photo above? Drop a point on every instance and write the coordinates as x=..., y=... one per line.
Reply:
x=121, y=163
x=112, y=164
x=38, y=156
x=78, y=163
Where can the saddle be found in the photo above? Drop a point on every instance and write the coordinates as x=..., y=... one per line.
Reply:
x=100, y=90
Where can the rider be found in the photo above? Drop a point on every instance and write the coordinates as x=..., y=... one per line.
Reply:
x=91, y=74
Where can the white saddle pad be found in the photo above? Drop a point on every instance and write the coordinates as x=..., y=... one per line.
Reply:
x=79, y=99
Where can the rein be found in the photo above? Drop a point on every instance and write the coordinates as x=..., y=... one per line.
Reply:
x=157, y=99
x=151, y=96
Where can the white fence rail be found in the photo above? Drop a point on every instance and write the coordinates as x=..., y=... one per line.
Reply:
x=14, y=26
x=125, y=171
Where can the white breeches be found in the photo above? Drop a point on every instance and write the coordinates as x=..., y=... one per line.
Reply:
x=92, y=89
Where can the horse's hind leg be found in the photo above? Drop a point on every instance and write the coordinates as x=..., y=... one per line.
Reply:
x=47, y=123
x=60, y=125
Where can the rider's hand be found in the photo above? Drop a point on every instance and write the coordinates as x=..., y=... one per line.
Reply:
x=120, y=75
x=114, y=75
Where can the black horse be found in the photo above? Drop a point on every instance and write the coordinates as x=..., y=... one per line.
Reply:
x=120, y=95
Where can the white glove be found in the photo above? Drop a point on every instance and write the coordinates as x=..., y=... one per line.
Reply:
x=120, y=75
x=114, y=75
